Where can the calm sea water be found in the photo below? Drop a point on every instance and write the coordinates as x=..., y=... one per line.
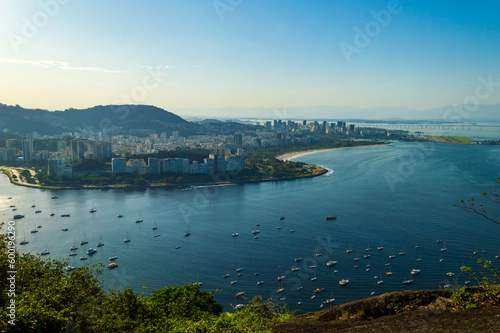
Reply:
x=397, y=196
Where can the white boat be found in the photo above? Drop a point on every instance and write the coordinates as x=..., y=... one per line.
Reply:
x=392, y=256
x=235, y=234
x=225, y=276
x=260, y=282
x=319, y=290
x=112, y=265
x=238, y=269
x=156, y=235
x=119, y=216
x=92, y=210
x=126, y=240
x=234, y=282
x=408, y=282
x=240, y=294
x=380, y=281
x=295, y=269
x=401, y=253
x=83, y=258
x=331, y=263
x=415, y=271
x=344, y=282
x=255, y=232
x=72, y=254
x=312, y=266
x=73, y=248
x=366, y=256
x=69, y=268
x=450, y=274
x=100, y=244
x=280, y=290
x=91, y=251
x=113, y=258
x=298, y=259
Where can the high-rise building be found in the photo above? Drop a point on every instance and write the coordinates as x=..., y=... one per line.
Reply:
x=57, y=168
x=77, y=150
x=10, y=143
x=238, y=140
x=118, y=165
x=102, y=150
x=27, y=147
x=154, y=165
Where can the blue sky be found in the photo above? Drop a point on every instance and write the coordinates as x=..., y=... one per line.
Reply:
x=215, y=54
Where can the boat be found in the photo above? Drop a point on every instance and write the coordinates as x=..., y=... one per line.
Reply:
x=38, y=211
x=318, y=290
x=34, y=231
x=92, y=210
x=73, y=248
x=318, y=254
x=281, y=278
x=83, y=258
x=113, y=258
x=157, y=235
x=419, y=260
x=299, y=288
x=256, y=237
x=392, y=256
x=72, y=254
x=18, y=216
x=238, y=269
x=335, y=271
x=298, y=259
x=154, y=227
x=466, y=283
x=65, y=215
x=255, y=232
x=52, y=214
x=54, y=197
x=69, y=268
x=447, y=286
x=84, y=241
x=408, y=282
x=126, y=240
x=256, y=273
x=438, y=241
x=475, y=253
x=280, y=290
x=331, y=263
x=278, y=227
x=450, y=274
x=366, y=256
x=187, y=234
x=240, y=294
x=380, y=281
x=380, y=248
x=343, y=282
x=331, y=217
x=44, y=253
x=282, y=218
x=235, y=234
x=292, y=230
x=91, y=251
x=415, y=271
x=443, y=249
x=388, y=264
x=139, y=221
x=113, y=265
x=401, y=253
x=100, y=244
x=295, y=269
x=225, y=276
x=234, y=282
x=314, y=278
x=330, y=300
x=119, y=216
x=24, y=241
x=313, y=297
x=64, y=229
x=312, y=266
x=177, y=247
x=356, y=259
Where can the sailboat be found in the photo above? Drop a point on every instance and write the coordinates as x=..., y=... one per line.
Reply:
x=443, y=249
x=92, y=210
x=24, y=241
x=84, y=241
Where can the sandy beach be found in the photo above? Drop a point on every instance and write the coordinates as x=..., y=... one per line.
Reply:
x=289, y=156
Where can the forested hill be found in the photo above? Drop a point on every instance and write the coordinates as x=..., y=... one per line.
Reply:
x=20, y=120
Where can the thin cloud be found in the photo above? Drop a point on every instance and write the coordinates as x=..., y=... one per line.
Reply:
x=58, y=65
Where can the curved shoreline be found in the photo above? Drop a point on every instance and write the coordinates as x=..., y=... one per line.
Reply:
x=289, y=156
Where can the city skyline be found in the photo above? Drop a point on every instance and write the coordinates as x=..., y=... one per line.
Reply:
x=240, y=55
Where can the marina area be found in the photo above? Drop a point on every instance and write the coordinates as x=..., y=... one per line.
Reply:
x=275, y=239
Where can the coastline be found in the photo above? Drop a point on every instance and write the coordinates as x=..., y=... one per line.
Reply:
x=289, y=156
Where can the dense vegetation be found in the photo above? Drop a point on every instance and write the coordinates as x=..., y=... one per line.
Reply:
x=50, y=299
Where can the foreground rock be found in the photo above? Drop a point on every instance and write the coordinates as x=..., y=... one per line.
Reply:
x=403, y=311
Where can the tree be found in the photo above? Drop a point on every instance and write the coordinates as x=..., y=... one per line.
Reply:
x=481, y=209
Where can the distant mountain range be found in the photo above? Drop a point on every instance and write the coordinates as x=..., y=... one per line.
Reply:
x=482, y=113
x=24, y=121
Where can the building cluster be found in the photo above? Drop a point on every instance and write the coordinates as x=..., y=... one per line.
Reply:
x=213, y=164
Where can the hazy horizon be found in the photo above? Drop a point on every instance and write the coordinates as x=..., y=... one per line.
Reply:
x=241, y=55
